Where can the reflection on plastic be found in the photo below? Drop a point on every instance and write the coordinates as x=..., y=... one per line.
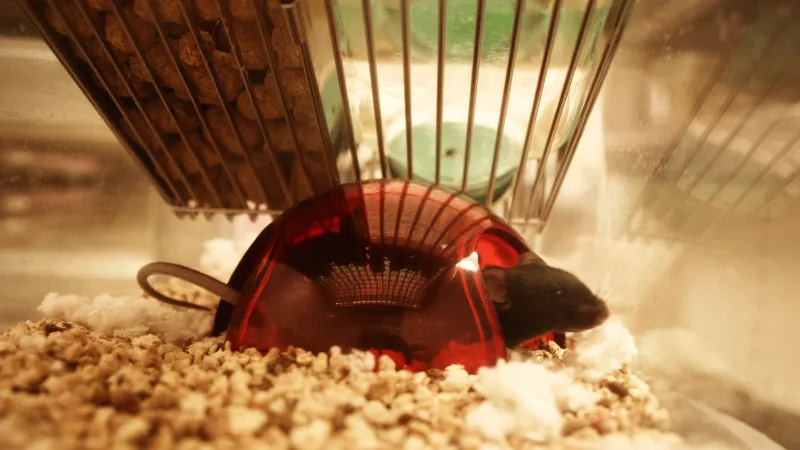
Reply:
x=470, y=263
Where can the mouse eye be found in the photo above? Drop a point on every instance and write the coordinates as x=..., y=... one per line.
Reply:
x=557, y=294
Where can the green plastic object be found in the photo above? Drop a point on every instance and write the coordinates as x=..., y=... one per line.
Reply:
x=460, y=26
x=452, y=166
x=460, y=40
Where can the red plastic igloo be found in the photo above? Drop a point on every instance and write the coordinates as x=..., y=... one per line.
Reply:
x=388, y=266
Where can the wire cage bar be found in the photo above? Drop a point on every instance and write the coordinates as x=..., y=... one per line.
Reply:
x=249, y=106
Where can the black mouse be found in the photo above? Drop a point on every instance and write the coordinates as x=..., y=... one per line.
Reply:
x=533, y=298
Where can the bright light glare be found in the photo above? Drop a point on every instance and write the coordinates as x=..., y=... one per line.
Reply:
x=470, y=263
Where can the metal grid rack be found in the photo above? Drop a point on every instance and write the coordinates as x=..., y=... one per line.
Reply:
x=174, y=79
x=736, y=154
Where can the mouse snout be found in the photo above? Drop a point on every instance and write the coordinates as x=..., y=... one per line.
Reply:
x=590, y=316
x=602, y=314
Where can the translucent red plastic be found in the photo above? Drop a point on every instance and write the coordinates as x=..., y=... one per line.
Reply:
x=376, y=266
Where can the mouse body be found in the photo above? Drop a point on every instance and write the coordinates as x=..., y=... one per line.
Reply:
x=533, y=298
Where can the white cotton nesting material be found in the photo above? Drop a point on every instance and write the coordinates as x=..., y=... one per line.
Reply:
x=530, y=399
x=527, y=399
x=139, y=315
x=220, y=257
x=513, y=405
x=127, y=316
x=603, y=350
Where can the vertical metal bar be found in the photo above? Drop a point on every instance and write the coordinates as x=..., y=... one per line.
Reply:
x=337, y=58
x=373, y=76
x=225, y=21
x=407, y=86
x=667, y=215
x=562, y=101
x=266, y=45
x=193, y=99
x=440, y=56
x=290, y=15
x=473, y=88
x=159, y=90
x=501, y=123
x=537, y=98
x=618, y=28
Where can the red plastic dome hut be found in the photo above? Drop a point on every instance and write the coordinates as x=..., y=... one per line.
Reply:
x=384, y=265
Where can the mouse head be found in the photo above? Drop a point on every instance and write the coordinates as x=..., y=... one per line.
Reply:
x=533, y=298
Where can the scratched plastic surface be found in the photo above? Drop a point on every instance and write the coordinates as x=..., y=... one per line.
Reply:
x=385, y=266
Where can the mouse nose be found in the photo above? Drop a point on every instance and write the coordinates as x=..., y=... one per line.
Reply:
x=602, y=316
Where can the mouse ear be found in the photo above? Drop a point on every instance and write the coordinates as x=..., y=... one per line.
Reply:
x=495, y=280
x=530, y=258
